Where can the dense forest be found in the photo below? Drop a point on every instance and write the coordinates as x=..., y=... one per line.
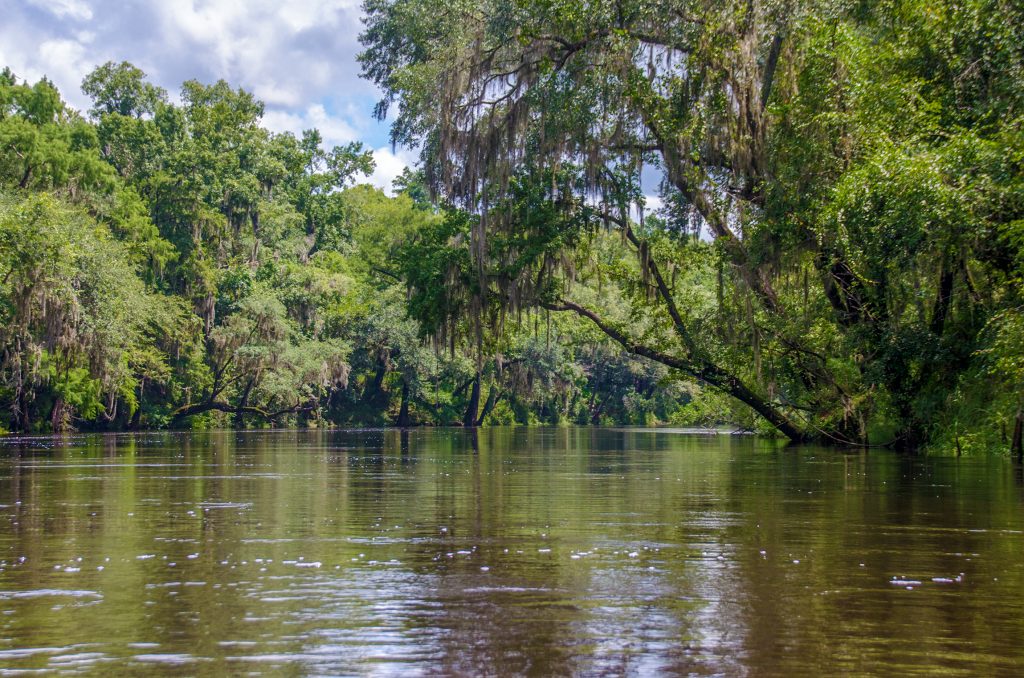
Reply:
x=173, y=265
x=835, y=252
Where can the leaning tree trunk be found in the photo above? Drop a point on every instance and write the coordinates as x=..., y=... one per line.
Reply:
x=492, y=400
x=699, y=368
x=240, y=414
x=469, y=419
x=403, y=411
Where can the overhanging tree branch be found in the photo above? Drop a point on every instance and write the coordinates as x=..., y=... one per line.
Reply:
x=700, y=369
x=211, y=405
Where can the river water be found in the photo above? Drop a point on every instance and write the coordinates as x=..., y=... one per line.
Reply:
x=512, y=551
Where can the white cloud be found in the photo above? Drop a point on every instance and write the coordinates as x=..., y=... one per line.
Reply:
x=334, y=130
x=292, y=54
x=60, y=60
x=283, y=121
x=389, y=166
x=283, y=50
x=653, y=203
x=71, y=9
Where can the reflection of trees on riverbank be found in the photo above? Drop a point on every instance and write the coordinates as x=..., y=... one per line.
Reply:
x=547, y=550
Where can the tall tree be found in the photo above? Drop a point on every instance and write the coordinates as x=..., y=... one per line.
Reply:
x=764, y=120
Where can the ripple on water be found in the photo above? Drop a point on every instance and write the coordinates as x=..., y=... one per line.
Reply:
x=22, y=652
x=551, y=552
x=42, y=593
x=79, y=659
x=167, y=658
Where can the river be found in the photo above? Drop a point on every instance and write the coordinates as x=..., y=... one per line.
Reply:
x=542, y=551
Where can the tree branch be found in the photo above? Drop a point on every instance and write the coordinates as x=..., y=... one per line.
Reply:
x=702, y=370
x=199, y=408
x=769, y=68
x=625, y=341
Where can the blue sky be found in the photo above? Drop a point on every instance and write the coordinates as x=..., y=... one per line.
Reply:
x=298, y=56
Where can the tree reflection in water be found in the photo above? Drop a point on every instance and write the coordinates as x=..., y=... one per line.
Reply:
x=541, y=551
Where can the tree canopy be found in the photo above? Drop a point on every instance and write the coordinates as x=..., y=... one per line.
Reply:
x=176, y=265
x=852, y=171
x=799, y=216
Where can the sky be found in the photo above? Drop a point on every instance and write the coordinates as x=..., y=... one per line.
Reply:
x=297, y=56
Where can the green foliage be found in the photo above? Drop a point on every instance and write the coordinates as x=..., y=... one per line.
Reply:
x=839, y=254
x=857, y=168
x=179, y=265
x=69, y=295
x=705, y=409
x=122, y=89
x=46, y=146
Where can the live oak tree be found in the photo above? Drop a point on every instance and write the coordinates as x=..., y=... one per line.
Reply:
x=836, y=153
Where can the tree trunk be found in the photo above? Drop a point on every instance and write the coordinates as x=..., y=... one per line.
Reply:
x=135, y=423
x=943, y=299
x=1017, y=445
x=739, y=390
x=403, y=410
x=699, y=368
x=492, y=400
x=135, y=420
x=59, y=416
x=469, y=419
x=243, y=403
x=23, y=417
x=841, y=286
x=376, y=387
x=378, y=378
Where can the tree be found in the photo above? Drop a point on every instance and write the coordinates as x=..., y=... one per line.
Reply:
x=122, y=89
x=777, y=129
x=169, y=264
x=75, y=316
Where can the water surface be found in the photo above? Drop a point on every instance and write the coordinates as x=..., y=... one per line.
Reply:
x=514, y=551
